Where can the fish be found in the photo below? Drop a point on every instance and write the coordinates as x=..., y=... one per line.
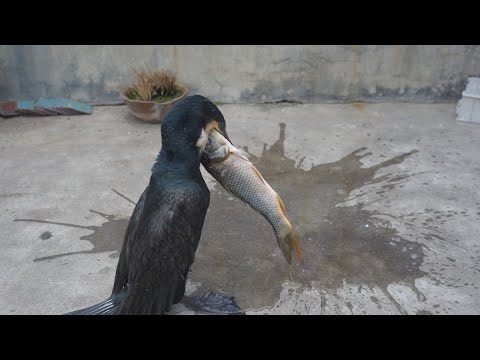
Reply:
x=231, y=167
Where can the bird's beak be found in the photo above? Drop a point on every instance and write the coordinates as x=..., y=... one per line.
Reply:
x=222, y=132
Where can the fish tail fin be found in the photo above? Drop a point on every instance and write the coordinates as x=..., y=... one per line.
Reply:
x=289, y=242
x=295, y=245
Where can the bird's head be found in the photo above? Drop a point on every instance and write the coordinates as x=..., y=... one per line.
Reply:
x=187, y=125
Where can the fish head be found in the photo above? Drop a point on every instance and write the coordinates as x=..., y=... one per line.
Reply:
x=218, y=147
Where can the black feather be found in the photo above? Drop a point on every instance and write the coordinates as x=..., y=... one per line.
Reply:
x=165, y=228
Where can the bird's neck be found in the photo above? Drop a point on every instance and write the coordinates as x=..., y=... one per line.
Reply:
x=179, y=159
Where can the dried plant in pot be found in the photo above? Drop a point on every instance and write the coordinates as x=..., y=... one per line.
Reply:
x=152, y=93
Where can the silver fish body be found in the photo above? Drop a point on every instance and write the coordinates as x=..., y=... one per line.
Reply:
x=234, y=171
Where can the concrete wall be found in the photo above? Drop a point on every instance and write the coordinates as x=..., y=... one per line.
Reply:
x=257, y=73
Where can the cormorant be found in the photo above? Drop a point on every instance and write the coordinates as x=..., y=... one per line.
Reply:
x=164, y=230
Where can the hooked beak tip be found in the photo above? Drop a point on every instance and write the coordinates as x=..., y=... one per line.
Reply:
x=223, y=134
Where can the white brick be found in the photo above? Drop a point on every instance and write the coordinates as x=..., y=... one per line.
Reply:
x=468, y=108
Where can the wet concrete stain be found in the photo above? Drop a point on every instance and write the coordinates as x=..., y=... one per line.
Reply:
x=238, y=251
x=105, y=238
x=45, y=235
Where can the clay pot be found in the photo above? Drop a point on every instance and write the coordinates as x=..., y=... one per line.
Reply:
x=152, y=111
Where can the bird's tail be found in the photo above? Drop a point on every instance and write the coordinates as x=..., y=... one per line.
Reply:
x=106, y=307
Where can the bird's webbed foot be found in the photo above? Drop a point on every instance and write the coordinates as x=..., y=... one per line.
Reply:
x=214, y=303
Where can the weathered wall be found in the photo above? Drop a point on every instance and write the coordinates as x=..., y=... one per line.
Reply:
x=257, y=73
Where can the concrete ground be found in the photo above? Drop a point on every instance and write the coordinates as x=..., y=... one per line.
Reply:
x=384, y=198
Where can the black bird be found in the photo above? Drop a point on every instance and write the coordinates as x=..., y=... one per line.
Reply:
x=164, y=230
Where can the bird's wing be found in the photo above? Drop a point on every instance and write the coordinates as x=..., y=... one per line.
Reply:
x=121, y=275
x=164, y=246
